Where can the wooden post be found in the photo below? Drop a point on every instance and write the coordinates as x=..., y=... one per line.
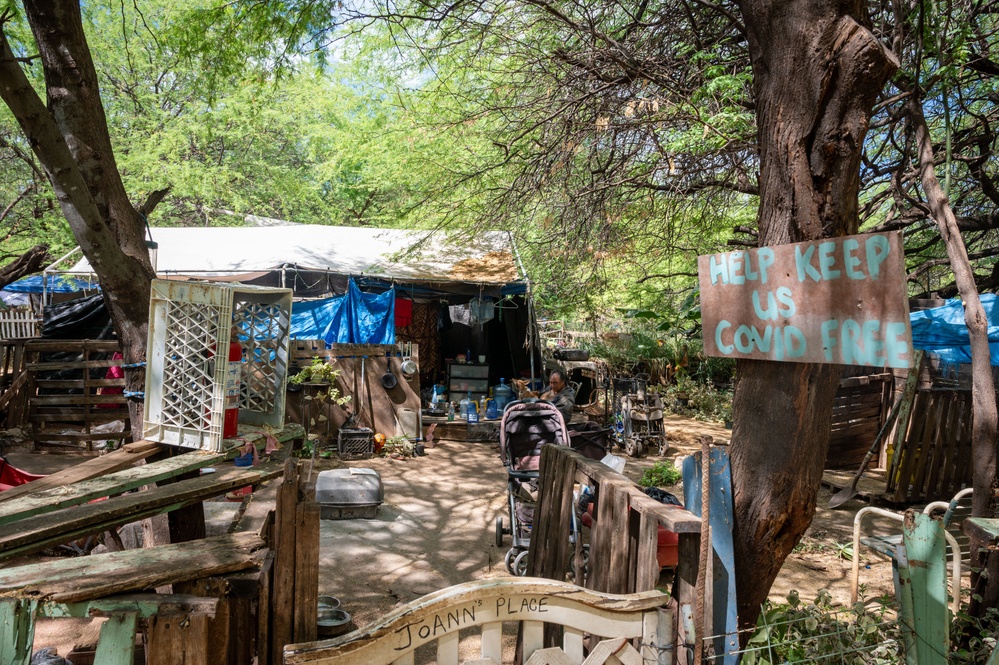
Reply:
x=283, y=588
x=927, y=571
x=306, y=569
x=17, y=631
x=685, y=588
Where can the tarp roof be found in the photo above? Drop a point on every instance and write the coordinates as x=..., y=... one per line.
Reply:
x=485, y=257
x=56, y=284
x=943, y=330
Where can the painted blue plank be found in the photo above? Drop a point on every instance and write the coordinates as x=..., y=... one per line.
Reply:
x=725, y=619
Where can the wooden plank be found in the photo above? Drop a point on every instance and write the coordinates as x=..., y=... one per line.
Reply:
x=492, y=641
x=618, y=573
x=283, y=589
x=927, y=564
x=173, y=640
x=17, y=631
x=42, y=366
x=908, y=450
x=647, y=569
x=78, y=437
x=18, y=383
x=86, y=578
x=58, y=400
x=264, y=609
x=71, y=523
x=116, y=645
x=306, y=571
x=143, y=605
x=126, y=456
x=45, y=501
x=44, y=384
x=258, y=516
x=943, y=440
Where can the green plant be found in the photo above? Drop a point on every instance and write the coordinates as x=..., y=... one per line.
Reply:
x=795, y=632
x=660, y=474
x=398, y=445
x=973, y=639
x=321, y=371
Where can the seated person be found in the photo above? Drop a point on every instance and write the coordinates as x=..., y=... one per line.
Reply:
x=561, y=394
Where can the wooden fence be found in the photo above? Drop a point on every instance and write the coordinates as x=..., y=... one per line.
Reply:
x=57, y=389
x=623, y=538
x=933, y=461
x=15, y=323
x=862, y=403
x=237, y=599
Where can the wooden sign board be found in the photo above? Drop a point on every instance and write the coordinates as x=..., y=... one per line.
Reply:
x=837, y=300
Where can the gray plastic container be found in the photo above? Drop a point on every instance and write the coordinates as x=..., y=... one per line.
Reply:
x=345, y=494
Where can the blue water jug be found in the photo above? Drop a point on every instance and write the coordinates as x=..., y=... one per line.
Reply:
x=503, y=394
x=492, y=411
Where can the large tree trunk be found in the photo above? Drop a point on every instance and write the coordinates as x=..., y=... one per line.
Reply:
x=816, y=71
x=985, y=564
x=71, y=140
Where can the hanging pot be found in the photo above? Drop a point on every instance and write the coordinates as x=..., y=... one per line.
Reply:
x=389, y=380
x=409, y=367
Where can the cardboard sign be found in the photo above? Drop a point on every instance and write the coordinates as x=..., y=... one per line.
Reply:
x=837, y=300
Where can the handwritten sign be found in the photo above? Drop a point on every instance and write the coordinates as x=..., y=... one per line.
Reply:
x=840, y=300
x=503, y=608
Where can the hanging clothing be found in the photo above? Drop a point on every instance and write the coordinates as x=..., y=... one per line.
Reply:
x=403, y=312
x=482, y=311
x=461, y=314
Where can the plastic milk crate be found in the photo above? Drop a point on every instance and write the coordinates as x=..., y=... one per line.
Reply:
x=190, y=327
x=355, y=443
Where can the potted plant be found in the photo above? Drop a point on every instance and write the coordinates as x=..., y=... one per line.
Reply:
x=725, y=412
x=321, y=373
x=682, y=389
x=321, y=377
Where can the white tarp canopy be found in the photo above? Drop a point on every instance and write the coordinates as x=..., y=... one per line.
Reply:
x=485, y=257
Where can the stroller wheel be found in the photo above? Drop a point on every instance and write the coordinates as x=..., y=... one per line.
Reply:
x=511, y=554
x=520, y=564
x=586, y=562
x=499, y=532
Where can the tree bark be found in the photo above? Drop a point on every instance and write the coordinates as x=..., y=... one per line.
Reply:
x=985, y=571
x=71, y=140
x=28, y=263
x=816, y=72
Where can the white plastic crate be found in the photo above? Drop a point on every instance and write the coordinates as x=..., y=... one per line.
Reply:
x=185, y=385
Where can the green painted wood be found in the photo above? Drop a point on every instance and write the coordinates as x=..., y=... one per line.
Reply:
x=111, y=484
x=89, y=577
x=68, y=524
x=124, y=457
x=17, y=631
x=927, y=567
x=143, y=605
x=116, y=645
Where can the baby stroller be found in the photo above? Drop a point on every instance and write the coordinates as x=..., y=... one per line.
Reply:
x=525, y=428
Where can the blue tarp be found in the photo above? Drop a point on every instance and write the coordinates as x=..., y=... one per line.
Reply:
x=942, y=330
x=57, y=284
x=353, y=318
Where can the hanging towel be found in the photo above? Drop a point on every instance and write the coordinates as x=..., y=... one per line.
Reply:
x=403, y=312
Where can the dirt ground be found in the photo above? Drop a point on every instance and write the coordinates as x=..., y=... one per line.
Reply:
x=437, y=528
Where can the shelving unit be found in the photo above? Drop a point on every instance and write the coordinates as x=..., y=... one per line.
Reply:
x=463, y=378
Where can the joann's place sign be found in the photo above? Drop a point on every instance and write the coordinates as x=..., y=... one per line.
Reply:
x=839, y=300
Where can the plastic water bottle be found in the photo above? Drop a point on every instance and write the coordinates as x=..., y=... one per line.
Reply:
x=450, y=411
x=503, y=394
